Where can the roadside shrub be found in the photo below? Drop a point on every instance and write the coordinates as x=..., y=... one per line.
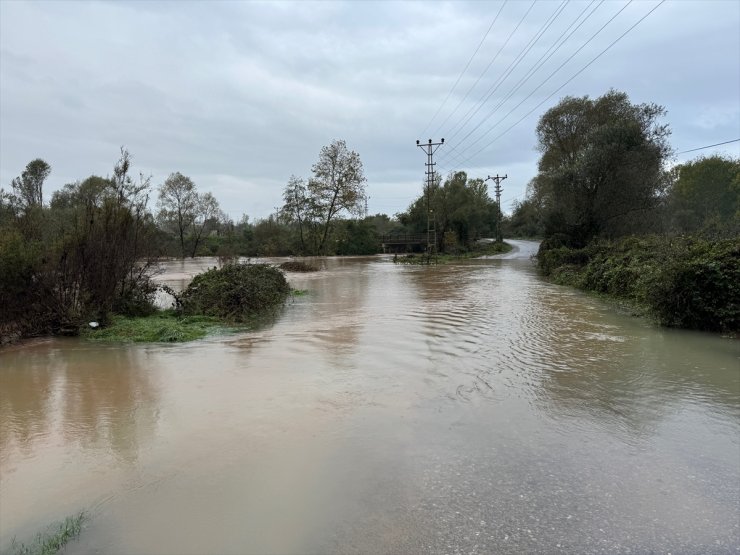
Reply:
x=235, y=292
x=683, y=281
x=619, y=268
x=554, y=241
x=701, y=289
x=552, y=258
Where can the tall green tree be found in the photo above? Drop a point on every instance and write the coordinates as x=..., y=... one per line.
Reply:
x=601, y=165
x=25, y=201
x=337, y=185
x=706, y=194
x=205, y=217
x=28, y=188
x=525, y=219
x=178, y=200
x=297, y=208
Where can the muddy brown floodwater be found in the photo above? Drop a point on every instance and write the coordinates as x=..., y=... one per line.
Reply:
x=468, y=408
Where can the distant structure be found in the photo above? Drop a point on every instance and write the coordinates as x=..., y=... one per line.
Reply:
x=498, y=190
x=430, y=148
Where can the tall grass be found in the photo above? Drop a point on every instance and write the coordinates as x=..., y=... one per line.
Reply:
x=53, y=539
x=162, y=327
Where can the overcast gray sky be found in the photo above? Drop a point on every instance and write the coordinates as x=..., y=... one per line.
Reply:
x=240, y=95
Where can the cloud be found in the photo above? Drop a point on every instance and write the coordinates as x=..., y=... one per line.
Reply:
x=241, y=95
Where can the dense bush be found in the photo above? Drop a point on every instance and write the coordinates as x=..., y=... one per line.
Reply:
x=701, y=289
x=683, y=282
x=235, y=292
x=83, y=256
x=555, y=252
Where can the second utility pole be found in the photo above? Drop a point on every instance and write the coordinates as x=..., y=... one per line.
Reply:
x=498, y=190
x=430, y=148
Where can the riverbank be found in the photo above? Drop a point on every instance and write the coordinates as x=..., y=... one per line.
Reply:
x=682, y=282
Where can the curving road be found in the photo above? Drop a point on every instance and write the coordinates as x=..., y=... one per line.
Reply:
x=523, y=250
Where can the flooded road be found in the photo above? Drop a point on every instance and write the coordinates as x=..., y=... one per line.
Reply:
x=468, y=408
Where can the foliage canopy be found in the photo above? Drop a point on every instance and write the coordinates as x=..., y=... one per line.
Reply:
x=601, y=168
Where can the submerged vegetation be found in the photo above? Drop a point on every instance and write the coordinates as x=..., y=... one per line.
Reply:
x=298, y=266
x=53, y=539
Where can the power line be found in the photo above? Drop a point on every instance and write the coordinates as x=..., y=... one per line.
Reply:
x=592, y=37
x=487, y=67
x=559, y=42
x=554, y=47
x=560, y=87
x=708, y=146
x=465, y=68
x=512, y=66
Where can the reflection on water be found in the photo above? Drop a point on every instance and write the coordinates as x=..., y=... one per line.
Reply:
x=68, y=410
x=96, y=398
x=398, y=409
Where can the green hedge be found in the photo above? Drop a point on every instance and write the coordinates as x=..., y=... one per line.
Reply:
x=683, y=281
x=235, y=292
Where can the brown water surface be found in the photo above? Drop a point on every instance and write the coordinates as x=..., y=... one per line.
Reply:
x=393, y=409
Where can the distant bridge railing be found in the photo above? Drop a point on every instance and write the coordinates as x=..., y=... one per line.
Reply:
x=404, y=239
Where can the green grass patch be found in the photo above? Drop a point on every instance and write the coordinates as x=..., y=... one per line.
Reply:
x=53, y=539
x=299, y=292
x=162, y=327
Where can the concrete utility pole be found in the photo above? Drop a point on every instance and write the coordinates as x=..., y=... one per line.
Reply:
x=498, y=190
x=430, y=148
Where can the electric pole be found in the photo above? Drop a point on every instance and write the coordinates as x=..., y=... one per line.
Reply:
x=430, y=148
x=498, y=190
